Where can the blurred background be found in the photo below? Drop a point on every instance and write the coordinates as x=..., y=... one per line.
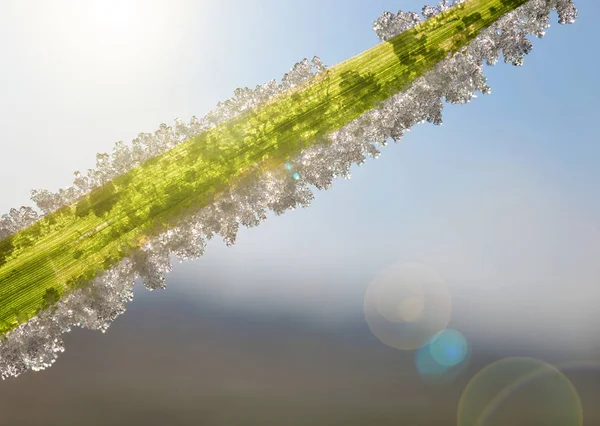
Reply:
x=501, y=202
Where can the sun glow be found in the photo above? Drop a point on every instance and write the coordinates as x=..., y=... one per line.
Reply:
x=106, y=36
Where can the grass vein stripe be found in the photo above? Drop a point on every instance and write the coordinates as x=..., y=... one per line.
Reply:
x=70, y=246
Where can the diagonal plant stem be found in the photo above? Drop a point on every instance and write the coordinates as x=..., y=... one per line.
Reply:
x=67, y=248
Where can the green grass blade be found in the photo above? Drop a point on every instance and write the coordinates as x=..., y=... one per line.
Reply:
x=67, y=248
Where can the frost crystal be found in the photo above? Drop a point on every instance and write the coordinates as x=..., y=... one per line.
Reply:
x=16, y=220
x=36, y=344
x=388, y=25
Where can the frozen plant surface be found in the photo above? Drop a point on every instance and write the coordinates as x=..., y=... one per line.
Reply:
x=36, y=343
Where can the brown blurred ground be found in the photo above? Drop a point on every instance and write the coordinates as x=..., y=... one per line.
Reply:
x=167, y=362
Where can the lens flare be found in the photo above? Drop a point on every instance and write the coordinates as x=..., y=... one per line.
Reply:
x=444, y=358
x=520, y=392
x=171, y=191
x=406, y=305
x=448, y=348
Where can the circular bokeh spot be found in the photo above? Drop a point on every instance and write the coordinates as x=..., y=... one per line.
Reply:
x=448, y=348
x=296, y=176
x=520, y=392
x=406, y=305
x=444, y=358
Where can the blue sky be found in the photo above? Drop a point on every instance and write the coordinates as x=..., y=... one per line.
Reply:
x=500, y=200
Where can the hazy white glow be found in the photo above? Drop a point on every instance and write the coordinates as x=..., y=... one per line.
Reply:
x=113, y=18
x=107, y=36
x=406, y=305
x=35, y=345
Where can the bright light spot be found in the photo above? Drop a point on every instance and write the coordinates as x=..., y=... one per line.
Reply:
x=448, y=348
x=406, y=305
x=411, y=309
x=103, y=40
x=444, y=358
x=520, y=391
x=113, y=17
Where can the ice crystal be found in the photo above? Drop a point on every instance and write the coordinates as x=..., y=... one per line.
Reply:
x=148, y=145
x=16, y=220
x=388, y=25
x=429, y=11
x=36, y=344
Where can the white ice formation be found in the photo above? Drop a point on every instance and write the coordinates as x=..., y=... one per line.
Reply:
x=36, y=344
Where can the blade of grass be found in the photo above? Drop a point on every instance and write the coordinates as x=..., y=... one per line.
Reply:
x=67, y=248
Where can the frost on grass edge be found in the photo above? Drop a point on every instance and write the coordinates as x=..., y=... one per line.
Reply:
x=36, y=344
x=149, y=145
